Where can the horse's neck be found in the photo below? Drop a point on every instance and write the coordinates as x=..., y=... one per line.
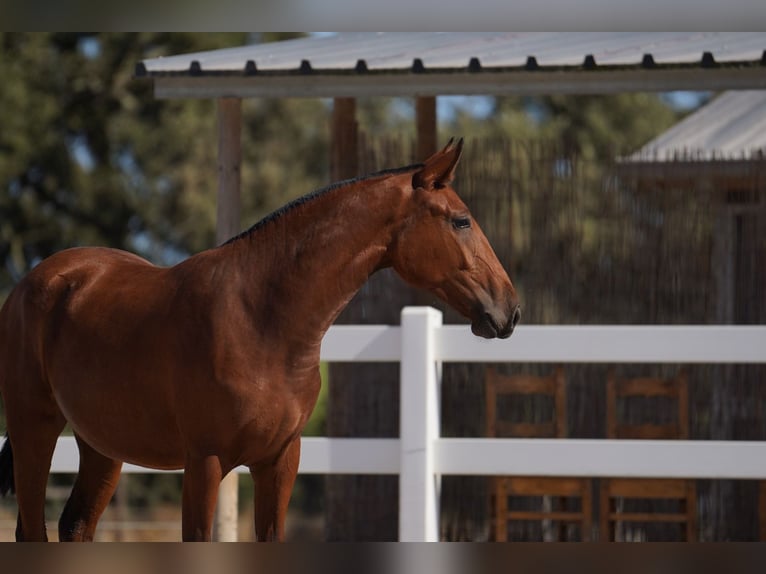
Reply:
x=307, y=264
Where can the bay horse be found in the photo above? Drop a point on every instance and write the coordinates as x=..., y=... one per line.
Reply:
x=214, y=363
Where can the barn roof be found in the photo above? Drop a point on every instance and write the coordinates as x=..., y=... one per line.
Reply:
x=464, y=63
x=723, y=145
x=730, y=127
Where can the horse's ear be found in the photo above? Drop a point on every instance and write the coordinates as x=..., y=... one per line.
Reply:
x=439, y=169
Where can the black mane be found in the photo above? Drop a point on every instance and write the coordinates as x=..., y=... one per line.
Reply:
x=317, y=193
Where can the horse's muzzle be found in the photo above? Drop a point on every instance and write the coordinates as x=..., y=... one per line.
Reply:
x=490, y=326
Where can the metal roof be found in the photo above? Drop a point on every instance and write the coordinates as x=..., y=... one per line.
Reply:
x=442, y=63
x=731, y=127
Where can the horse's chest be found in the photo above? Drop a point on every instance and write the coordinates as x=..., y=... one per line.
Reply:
x=255, y=419
x=279, y=404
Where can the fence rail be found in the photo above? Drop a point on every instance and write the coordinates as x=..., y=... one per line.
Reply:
x=420, y=456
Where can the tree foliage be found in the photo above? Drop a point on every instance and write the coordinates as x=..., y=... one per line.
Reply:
x=592, y=126
x=88, y=156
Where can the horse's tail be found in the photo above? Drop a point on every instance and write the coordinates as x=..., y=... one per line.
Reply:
x=6, y=469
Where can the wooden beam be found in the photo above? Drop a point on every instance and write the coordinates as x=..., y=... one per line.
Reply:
x=489, y=83
x=425, y=121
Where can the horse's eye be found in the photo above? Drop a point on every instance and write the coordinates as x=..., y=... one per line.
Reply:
x=461, y=222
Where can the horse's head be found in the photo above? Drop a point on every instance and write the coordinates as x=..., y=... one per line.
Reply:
x=442, y=249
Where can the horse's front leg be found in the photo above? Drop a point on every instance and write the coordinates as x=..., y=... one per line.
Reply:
x=273, y=487
x=202, y=477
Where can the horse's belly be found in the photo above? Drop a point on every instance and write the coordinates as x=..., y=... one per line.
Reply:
x=135, y=450
x=121, y=426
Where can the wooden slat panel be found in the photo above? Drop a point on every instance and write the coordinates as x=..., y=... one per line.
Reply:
x=646, y=517
x=525, y=430
x=647, y=387
x=532, y=515
x=653, y=488
x=542, y=486
x=648, y=431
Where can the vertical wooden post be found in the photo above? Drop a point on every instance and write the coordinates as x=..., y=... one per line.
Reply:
x=425, y=122
x=229, y=160
x=344, y=162
x=425, y=147
x=227, y=225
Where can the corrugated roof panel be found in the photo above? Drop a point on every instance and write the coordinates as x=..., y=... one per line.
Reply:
x=365, y=64
x=572, y=49
x=689, y=48
x=454, y=50
x=732, y=126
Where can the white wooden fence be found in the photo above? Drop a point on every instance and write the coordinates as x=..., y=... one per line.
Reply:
x=421, y=344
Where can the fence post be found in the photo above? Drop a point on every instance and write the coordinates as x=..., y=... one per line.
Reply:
x=420, y=379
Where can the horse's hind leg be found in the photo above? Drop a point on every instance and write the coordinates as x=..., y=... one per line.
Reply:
x=93, y=489
x=33, y=442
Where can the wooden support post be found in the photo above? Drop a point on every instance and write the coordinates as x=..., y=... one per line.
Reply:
x=227, y=225
x=425, y=147
x=229, y=160
x=344, y=162
x=425, y=121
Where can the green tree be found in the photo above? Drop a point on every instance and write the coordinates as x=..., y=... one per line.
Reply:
x=593, y=126
x=88, y=156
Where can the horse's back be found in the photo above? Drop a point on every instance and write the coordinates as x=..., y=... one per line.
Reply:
x=58, y=278
x=80, y=266
x=79, y=262
x=28, y=317
x=47, y=288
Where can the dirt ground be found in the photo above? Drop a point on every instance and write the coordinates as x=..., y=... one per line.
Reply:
x=163, y=524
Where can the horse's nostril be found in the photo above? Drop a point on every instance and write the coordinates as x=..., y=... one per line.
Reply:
x=516, y=316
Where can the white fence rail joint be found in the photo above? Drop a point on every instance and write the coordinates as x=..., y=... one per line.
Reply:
x=420, y=456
